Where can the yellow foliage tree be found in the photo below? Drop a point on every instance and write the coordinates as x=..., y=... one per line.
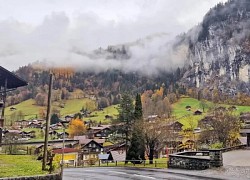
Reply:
x=76, y=128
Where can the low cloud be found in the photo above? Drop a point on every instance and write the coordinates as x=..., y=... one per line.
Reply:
x=61, y=35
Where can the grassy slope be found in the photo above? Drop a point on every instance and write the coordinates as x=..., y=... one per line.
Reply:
x=27, y=107
x=100, y=115
x=180, y=112
x=71, y=106
x=19, y=165
x=31, y=110
x=74, y=106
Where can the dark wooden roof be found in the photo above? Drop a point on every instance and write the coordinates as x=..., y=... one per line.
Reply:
x=13, y=81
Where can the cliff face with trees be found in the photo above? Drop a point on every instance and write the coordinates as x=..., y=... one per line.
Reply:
x=219, y=52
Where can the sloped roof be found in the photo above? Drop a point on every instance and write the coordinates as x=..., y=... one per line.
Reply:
x=13, y=81
x=118, y=156
x=84, y=140
x=100, y=127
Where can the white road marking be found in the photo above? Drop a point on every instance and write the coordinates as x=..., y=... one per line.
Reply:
x=89, y=170
x=144, y=176
x=117, y=172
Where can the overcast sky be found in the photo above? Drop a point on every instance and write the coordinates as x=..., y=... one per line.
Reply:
x=49, y=30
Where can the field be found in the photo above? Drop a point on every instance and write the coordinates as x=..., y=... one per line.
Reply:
x=19, y=165
x=29, y=110
x=186, y=117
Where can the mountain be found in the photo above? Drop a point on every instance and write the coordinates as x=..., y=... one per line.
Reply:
x=212, y=59
x=219, y=50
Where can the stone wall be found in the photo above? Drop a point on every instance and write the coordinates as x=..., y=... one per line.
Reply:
x=189, y=160
x=196, y=160
x=45, y=177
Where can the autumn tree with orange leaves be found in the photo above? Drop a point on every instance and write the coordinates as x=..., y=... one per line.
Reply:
x=76, y=128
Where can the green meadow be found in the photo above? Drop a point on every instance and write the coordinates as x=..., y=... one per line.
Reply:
x=180, y=113
x=19, y=165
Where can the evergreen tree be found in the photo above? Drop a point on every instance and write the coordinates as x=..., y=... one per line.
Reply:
x=54, y=119
x=126, y=117
x=138, y=107
x=136, y=150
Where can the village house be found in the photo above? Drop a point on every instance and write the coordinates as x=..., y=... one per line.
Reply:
x=22, y=123
x=121, y=147
x=188, y=108
x=198, y=112
x=70, y=155
x=176, y=126
x=245, y=118
x=90, y=151
x=68, y=118
x=99, y=132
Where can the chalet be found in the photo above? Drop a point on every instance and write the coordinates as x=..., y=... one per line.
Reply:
x=85, y=140
x=188, y=108
x=206, y=121
x=176, y=126
x=90, y=150
x=198, y=112
x=69, y=118
x=100, y=132
x=245, y=118
x=22, y=123
x=27, y=134
x=70, y=155
x=120, y=147
x=12, y=108
x=17, y=132
x=35, y=124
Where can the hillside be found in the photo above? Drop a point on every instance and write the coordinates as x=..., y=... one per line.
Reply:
x=186, y=117
x=105, y=87
x=28, y=110
x=180, y=113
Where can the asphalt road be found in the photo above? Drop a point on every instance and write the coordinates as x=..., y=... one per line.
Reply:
x=110, y=173
x=239, y=158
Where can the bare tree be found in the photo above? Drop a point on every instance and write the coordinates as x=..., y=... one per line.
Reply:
x=10, y=139
x=156, y=134
x=223, y=127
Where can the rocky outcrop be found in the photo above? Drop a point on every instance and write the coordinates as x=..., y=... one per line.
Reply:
x=219, y=55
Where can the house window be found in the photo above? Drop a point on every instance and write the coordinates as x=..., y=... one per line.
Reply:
x=89, y=145
x=94, y=145
x=97, y=150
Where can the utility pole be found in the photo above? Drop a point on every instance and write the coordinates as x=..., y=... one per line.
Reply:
x=47, y=123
